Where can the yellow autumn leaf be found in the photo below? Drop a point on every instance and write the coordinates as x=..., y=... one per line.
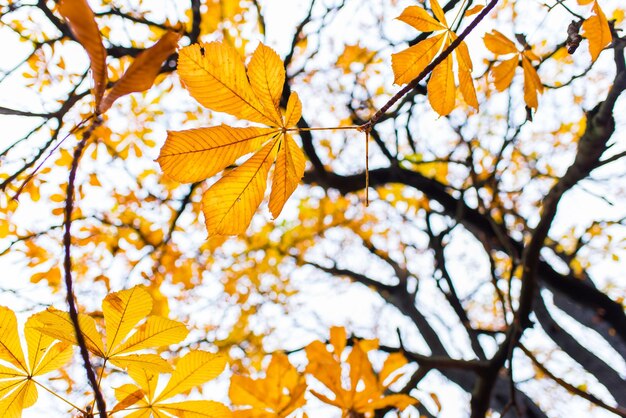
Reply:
x=155, y=332
x=278, y=394
x=267, y=75
x=503, y=73
x=438, y=12
x=354, y=54
x=474, y=9
x=420, y=19
x=45, y=354
x=409, y=63
x=144, y=69
x=192, y=370
x=499, y=44
x=230, y=203
x=532, y=84
x=123, y=311
x=82, y=23
x=216, y=76
x=196, y=154
x=596, y=30
x=366, y=391
x=288, y=171
x=441, y=88
x=58, y=324
x=337, y=340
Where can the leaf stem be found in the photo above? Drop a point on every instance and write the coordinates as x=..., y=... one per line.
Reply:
x=367, y=126
x=59, y=396
x=333, y=128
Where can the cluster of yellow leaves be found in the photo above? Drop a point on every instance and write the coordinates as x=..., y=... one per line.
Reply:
x=141, y=73
x=596, y=29
x=192, y=370
x=276, y=395
x=409, y=63
x=215, y=75
x=50, y=336
x=504, y=71
x=366, y=391
x=282, y=390
x=122, y=311
x=18, y=389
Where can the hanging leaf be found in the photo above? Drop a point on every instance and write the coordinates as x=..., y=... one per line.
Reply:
x=503, y=72
x=409, y=63
x=82, y=23
x=596, y=29
x=144, y=69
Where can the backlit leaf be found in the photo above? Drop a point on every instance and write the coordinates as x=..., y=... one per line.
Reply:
x=288, y=172
x=267, y=74
x=197, y=154
x=409, y=63
x=596, y=30
x=58, y=324
x=532, y=84
x=276, y=395
x=230, y=203
x=441, y=88
x=82, y=23
x=293, y=111
x=420, y=19
x=216, y=77
x=438, y=12
x=499, y=44
x=144, y=69
x=122, y=312
x=503, y=73
x=192, y=370
x=10, y=345
x=155, y=332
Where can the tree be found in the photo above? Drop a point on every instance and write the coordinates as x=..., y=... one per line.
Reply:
x=457, y=232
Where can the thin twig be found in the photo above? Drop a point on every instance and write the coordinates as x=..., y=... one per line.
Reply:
x=67, y=264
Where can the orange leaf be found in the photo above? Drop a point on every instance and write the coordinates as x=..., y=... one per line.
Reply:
x=441, y=88
x=420, y=19
x=230, y=203
x=82, y=23
x=473, y=10
x=504, y=72
x=532, y=84
x=288, y=171
x=499, y=44
x=144, y=69
x=438, y=12
x=409, y=63
x=596, y=30
x=197, y=154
